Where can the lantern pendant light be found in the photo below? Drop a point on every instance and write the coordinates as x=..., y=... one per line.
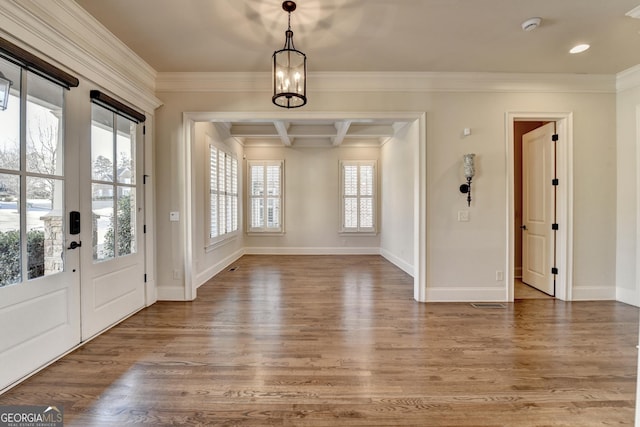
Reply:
x=289, y=70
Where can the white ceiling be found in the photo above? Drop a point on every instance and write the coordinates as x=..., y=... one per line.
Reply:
x=372, y=35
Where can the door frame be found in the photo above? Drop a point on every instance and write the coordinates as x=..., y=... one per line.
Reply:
x=564, y=204
x=187, y=176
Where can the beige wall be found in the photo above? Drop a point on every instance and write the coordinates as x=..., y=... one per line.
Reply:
x=312, y=200
x=462, y=256
x=628, y=103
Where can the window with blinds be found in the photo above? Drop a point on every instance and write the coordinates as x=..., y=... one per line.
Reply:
x=265, y=196
x=223, y=194
x=358, y=187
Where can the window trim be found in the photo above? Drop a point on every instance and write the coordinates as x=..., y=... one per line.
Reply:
x=265, y=231
x=361, y=231
x=220, y=239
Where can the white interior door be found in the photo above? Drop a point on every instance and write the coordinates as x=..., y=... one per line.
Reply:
x=538, y=208
x=113, y=258
x=39, y=278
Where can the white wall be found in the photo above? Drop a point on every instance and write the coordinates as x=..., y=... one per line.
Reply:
x=397, y=197
x=462, y=257
x=312, y=202
x=209, y=262
x=627, y=115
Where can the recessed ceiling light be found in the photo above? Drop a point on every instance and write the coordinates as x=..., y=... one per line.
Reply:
x=634, y=13
x=579, y=48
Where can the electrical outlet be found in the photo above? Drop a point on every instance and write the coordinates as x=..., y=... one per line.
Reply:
x=499, y=275
x=463, y=216
x=174, y=216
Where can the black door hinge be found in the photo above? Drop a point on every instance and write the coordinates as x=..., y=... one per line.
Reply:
x=144, y=130
x=144, y=178
x=145, y=277
x=555, y=181
x=554, y=137
x=144, y=229
x=554, y=227
x=554, y=270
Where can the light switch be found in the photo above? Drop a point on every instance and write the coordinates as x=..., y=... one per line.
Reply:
x=463, y=216
x=174, y=216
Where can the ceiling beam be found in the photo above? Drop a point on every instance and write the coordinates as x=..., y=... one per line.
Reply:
x=342, y=128
x=282, y=128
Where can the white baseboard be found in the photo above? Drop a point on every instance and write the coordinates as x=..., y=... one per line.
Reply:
x=401, y=264
x=628, y=296
x=311, y=251
x=171, y=293
x=204, y=276
x=593, y=293
x=462, y=294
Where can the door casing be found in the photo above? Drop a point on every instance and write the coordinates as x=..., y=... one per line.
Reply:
x=564, y=205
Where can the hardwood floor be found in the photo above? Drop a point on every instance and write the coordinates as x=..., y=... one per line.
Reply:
x=339, y=341
x=523, y=291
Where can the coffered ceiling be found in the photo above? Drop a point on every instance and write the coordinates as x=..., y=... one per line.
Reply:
x=313, y=133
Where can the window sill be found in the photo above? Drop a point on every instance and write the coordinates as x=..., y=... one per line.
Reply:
x=358, y=233
x=265, y=233
x=213, y=246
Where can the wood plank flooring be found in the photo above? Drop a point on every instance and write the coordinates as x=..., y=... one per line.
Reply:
x=339, y=341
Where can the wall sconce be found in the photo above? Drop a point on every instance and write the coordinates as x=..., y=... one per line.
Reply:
x=5, y=84
x=469, y=172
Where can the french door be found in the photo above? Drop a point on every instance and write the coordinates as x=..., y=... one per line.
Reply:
x=39, y=277
x=112, y=251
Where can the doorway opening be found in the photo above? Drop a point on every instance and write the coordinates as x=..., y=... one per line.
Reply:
x=549, y=253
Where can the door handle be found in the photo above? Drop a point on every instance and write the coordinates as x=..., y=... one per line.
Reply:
x=523, y=227
x=74, y=245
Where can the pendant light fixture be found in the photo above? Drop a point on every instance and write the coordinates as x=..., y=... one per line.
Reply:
x=289, y=70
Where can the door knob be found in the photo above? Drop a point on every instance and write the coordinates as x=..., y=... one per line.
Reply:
x=523, y=227
x=74, y=245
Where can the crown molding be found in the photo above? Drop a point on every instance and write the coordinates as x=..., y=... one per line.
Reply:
x=66, y=35
x=628, y=79
x=392, y=82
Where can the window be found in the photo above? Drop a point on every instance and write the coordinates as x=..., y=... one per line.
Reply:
x=265, y=196
x=113, y=184
x=31, y=177
x=223, y=194
x=358, y=185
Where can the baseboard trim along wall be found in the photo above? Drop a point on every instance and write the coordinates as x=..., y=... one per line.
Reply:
x=593, y=293
x=207, y=274
x=465, y=294
x=312, y=251
x=401, y=264
x=628, y=296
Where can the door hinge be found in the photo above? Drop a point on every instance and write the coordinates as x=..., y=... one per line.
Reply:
x=145, y=277
x=555, y=181
x=144, y=178
x=554, y=227
x=144, y=130
x=554, y=137
x=144, y=229
x=554, y=270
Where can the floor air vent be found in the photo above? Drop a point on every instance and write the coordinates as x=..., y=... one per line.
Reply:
x=487, y=305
